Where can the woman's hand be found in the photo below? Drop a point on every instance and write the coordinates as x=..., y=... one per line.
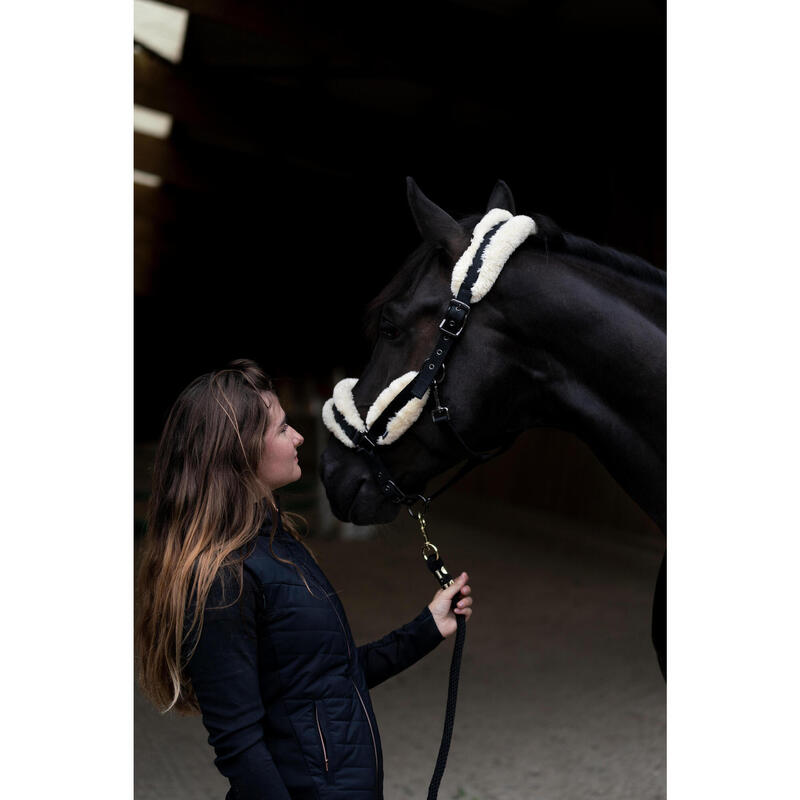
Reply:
x=440, y=605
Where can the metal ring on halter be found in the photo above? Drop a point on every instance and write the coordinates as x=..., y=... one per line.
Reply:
x=426, y=501
x=437, y=379
x=429, y=548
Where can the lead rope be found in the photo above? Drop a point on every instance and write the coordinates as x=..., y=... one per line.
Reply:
x=435, y=564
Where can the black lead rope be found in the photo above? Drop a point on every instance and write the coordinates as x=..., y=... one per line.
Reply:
x=435, y=564
x=450, y=713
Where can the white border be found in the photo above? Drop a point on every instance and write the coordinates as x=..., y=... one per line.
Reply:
x=66, y=336
x=733, y=400
x=66, y=332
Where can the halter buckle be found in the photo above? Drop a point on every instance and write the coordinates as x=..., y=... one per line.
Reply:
x=455, y=317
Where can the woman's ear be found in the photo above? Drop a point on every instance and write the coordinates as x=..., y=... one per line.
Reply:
x=435, y=225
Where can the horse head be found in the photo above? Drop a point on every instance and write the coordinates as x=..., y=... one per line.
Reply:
x=572, y=335
x=476, y=385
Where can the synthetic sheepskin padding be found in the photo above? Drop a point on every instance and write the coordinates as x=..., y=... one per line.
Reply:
x=405, y=417
x=513, y=232
x=498, y=251
x=490, y=219
x=345, y=404
x=332, y=425
x=343, y=398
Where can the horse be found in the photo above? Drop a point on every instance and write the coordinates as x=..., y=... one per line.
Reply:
x=571, y=336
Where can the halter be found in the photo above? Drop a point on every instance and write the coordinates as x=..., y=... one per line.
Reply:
x=400, y=404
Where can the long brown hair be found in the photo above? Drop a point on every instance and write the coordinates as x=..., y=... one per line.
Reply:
x=206, y=508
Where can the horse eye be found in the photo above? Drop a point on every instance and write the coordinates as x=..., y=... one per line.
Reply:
x=389, y=331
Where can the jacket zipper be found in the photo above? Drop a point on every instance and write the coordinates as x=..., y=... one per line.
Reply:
x=371, y=732
x=361, y=700
x=321, y=737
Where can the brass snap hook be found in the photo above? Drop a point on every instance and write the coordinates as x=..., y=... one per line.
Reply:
x=421, y=521
x=429, y=549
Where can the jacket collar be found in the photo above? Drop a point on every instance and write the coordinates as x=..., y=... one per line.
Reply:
x=266, y=527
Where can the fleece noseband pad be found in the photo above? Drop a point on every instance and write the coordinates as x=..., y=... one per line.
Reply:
x=343, y=403
x=398, y=423
x=340, y=414
x=404, y=417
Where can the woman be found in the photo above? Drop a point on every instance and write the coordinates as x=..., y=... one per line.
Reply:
x=238, y=621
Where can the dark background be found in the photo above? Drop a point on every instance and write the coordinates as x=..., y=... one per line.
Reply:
x=282, y=209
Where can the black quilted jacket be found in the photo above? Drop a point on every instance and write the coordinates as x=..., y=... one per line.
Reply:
x=284, y=691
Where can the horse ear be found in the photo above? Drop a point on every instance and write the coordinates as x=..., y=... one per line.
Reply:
x=501, y=197
x=435, y=225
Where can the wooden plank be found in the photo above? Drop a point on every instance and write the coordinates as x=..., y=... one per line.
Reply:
x=220, y=110
x=163, y=88
x=196, y=168
x=157, y=204
x=147, y=243
x=163, y=158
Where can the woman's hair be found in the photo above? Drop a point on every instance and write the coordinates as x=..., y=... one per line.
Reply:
x=206, y=508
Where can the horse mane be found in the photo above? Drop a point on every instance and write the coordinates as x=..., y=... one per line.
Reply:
x=627, y=264
x=549, y=238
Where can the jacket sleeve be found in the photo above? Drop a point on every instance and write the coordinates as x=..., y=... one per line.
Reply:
x=399, y=649
x=224, y=674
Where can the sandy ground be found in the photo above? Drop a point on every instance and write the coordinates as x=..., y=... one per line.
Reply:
x=560, y=693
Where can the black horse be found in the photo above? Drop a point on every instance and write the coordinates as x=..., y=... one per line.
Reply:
x=572, y=336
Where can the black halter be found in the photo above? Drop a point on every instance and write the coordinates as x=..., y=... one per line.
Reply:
x=430, y=376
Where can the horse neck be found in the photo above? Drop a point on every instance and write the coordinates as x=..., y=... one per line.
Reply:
x=595, y=340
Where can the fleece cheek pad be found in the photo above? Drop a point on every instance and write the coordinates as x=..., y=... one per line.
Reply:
x=493, y=256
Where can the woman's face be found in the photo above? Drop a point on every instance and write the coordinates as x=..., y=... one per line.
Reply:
x=279, y=465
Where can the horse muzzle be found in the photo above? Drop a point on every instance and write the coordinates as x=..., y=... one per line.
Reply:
x=350, y=487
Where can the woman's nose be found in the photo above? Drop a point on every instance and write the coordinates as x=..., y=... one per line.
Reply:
x=300, y=438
